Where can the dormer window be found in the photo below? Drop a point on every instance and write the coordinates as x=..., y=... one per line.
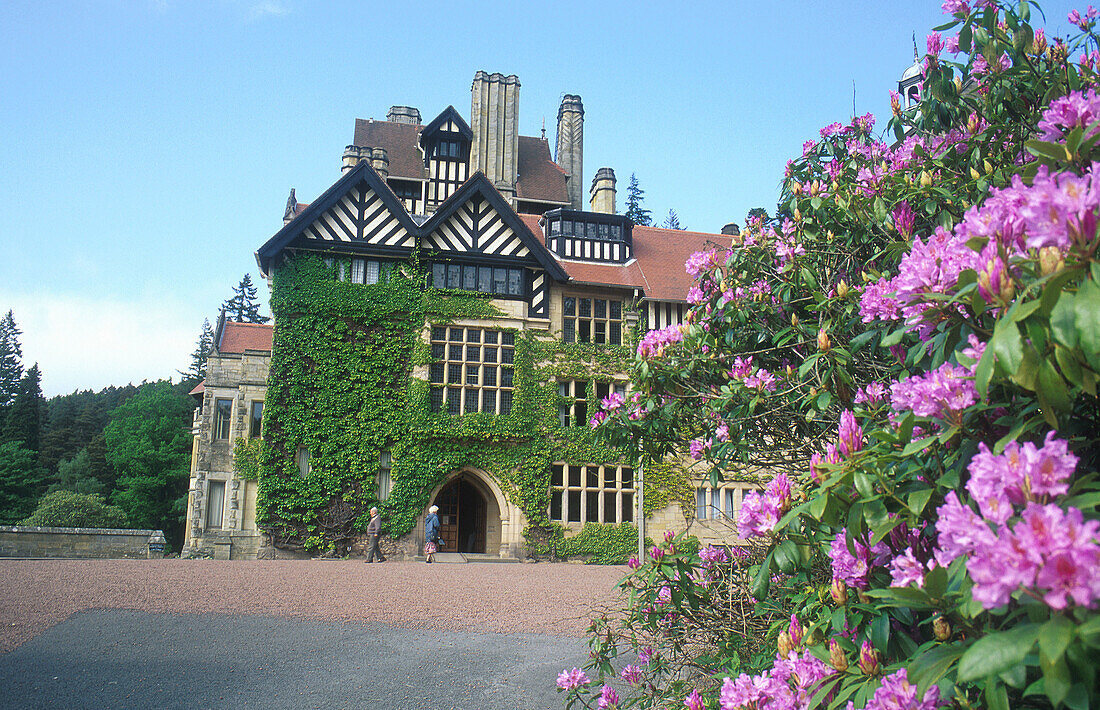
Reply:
x=449, y=149
x=590, y=236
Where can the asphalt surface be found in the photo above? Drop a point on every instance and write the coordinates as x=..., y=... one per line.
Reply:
x=115, y=658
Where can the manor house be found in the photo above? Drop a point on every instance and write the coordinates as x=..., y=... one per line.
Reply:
x=467, y=207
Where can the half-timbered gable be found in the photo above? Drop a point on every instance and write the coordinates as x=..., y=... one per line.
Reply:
x=445, y=143
x=476, y=242
x=358, y=214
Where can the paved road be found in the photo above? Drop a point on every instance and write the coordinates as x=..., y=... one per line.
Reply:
x=113, y=658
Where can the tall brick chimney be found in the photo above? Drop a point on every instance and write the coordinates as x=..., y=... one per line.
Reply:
x=569, y=147
x=404, y=114
x=494, y=118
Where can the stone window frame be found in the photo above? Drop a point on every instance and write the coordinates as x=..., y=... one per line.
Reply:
x=385, y=479
x=574, y=411
x=255, y=428
x=223, y=417
x=480, y=278
x=729, y=499
x=364, y=271
x=463, y=376
x=573, y=488
x=580, y=313
x=211, y=508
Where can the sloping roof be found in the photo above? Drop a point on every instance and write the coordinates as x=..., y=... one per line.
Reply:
x=540, y=178
x=293, y=229
x=400, y=142
x=449, y=114
x=238, y=337
x=199, y=388
x=480, y=184
x=657, y=266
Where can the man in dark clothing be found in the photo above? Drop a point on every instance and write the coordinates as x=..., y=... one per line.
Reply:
x=374, y=530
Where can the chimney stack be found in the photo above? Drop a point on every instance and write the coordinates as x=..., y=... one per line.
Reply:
x=602, y=192
x=494, y=118
x=404, y=114
x=379, y=161
x=569, y=147
x=350, y=158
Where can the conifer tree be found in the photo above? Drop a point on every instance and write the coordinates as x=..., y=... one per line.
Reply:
x=242, y=307
x=197, y=370
x=634, y=197
x=11, y=367
x=672, y=221
x=24, y=418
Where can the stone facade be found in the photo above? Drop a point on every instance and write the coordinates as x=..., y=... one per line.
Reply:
x=94, y=543
x=240, y=378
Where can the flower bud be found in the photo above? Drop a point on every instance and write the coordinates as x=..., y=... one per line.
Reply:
x=868, y=659
x=925, y=178
x=958, y=84
x=941, y=628
x=815, y=188
x=823, y=342
x=794, y=320
x=784, y=645
x=988, y=166
x=839, y=592
x=796, y=188
x=1051, y=259
x=797, y=215
x=975, y=174
x=842, y=288
x=795, y=631
x=973, y=123
x=837, y=659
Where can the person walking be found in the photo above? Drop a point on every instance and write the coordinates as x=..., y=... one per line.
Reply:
x=431, y=533
x=374, y=532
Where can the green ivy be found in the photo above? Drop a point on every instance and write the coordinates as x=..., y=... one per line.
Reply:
x=341, y=388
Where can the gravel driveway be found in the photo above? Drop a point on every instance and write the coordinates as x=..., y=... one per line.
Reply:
x=291, y=634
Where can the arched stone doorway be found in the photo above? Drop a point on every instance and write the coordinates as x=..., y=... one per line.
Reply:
x=469, y=514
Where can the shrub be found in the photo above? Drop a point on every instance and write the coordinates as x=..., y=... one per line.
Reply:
x=65, y=509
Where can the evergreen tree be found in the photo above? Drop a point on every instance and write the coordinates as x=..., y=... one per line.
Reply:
x=24, y=418
x=11, y=367
x=757, y=212
x=634, y=197
x=197, y=370
x=21, y=482
x=242, y=307
x=672, y=221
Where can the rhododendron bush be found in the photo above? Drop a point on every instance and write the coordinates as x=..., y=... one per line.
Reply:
x=906, y=359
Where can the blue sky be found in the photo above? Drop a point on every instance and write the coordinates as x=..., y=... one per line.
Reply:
x=149, y=147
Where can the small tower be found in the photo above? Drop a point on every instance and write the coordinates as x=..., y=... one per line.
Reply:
x=569, y=147
x=910, y=85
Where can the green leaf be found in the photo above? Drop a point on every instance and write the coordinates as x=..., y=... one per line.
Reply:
x=1052, y=389
x=918, y=499
x=1056, y=678
x=917, y=446
x=787, y=557
x=1055, y=636
x=893, y=338
x=880, y=631
x=1007, y=345
x=1063, y=320
x=1043, y=149
x=997, y=652
x=1090, y=632
x=762, y=581
x=929, y=666
x=984, y=372
x=1067, y=363
x=996, y=696
x=1027, y=372
x=1020, y=311
x=1087, y=310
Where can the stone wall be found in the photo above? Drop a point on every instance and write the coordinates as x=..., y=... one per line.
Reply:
x=26, y=541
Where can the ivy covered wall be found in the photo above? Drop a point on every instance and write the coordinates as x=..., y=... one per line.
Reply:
x=342, y=388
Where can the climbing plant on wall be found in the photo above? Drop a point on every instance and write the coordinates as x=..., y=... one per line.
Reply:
x=341, y=391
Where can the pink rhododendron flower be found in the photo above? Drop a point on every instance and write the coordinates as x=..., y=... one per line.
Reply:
x=694, y=701
x=1077, y=109
x=647, y=655
x=570, y=680
x=760, y=512
x=872, y=393
x=897, y=693
x=608, y=698
x=906, y=569
x=1022, y=473
x=956, y=7
x=654, y=342
x=631, y=674
x=853, y=567
x=941, y=393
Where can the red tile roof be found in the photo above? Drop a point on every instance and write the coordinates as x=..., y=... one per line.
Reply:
x=658, y=264
x=238, y=337
x=199, y=388
x=540, y=178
